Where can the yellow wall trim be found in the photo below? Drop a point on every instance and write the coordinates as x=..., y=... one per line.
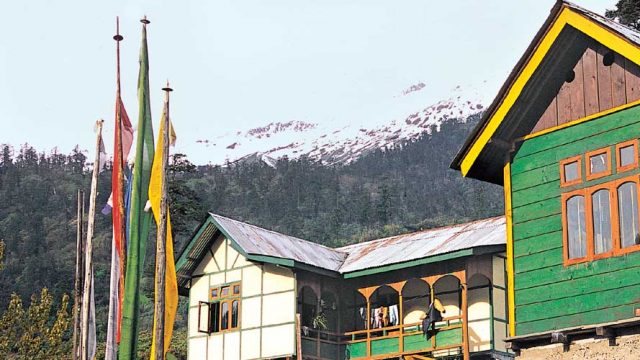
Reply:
x=510, y=257
x=580, y=121
x=567, y=16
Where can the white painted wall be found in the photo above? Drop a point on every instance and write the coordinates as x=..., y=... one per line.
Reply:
x=267, y=307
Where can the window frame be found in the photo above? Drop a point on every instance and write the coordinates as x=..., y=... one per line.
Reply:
x=211, y=297
x=200, y=304
x=619, y=166
x=590, y=230
x=220, y=299
x=618, y=249
x=587, y=192
x=565, y=230
x=592, y=176
x=563, y=182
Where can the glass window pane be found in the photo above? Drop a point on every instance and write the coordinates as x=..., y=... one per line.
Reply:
x=224, y=318
x=214, y=293
x=627, y=155
x=571, y=171
x=234, y=314
x=236, y=289
x=601, y=221
x=628, y=217
x=598, y=163
x=225, y=291
x=215, y=317
x=576, y=227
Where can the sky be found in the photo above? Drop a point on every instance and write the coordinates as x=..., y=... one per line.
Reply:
x=237, y=64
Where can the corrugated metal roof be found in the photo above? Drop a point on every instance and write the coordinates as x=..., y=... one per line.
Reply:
x=254, y=240
x=423, y=244
x=258, y=241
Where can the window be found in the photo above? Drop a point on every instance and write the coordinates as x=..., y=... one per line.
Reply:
x=576, y=229
x=601, y=217
x=224, y=316
x=222, y=312
x=601, y=221
x=627, y=155
x=234, y=313
x=628, y=214
x=203, y=320
x=598, y=163
x=571, y=171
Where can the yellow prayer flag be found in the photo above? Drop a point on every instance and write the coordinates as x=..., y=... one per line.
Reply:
x=171, y=283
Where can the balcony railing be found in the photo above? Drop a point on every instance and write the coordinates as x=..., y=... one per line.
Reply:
x=405, y=339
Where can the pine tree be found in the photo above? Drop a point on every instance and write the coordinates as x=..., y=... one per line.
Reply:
x=627, y=12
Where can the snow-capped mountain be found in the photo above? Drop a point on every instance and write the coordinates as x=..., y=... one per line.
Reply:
x=416, y=110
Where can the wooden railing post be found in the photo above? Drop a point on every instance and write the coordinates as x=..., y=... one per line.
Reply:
x=465, y=321
x=401, y=323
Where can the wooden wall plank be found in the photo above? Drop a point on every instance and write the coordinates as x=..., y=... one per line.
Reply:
x=540, y=243
x=577, y=92
x=549, y=118
x=595, y=316
x=617, y=82
x=605, y=96
x=580, y=286
x=590, y=77
x=632, y=80
x=564, y=103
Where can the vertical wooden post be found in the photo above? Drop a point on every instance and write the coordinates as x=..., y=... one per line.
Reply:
x=432, y=297
x=298, y=337
x=318, y=311
x=401, y=322
x=88, y=262
x=161, y=239
x=368, y=325
x=465, y=317
x=78, y=276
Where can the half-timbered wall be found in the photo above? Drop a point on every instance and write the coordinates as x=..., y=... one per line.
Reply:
x=267, y=307
x=599, y=82
x=549, y=294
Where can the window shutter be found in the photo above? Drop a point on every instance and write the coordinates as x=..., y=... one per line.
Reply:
x=203, y=317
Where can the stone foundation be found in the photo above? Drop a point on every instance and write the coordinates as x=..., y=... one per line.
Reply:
x=626, y=348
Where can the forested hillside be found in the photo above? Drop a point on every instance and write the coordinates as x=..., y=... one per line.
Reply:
x=384, y=193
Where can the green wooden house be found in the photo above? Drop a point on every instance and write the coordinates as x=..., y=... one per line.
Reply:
x=562, y=136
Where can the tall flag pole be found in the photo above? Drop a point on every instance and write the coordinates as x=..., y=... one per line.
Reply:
x=139, y=220
x=123, y=139
x=166, y=285
x=77, y=298
x=88, y=304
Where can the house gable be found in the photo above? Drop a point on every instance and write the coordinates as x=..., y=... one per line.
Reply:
x=537, y=82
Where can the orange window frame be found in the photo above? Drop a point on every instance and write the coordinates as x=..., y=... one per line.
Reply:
x=563, y=182
x=565, y=230
x=618, y=249
x=613, y=219
x=229, y=299
x=589, y=155
x=619, y=166
x=213, y=298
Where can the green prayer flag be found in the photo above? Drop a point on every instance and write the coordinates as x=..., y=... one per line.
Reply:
x=139, y=220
